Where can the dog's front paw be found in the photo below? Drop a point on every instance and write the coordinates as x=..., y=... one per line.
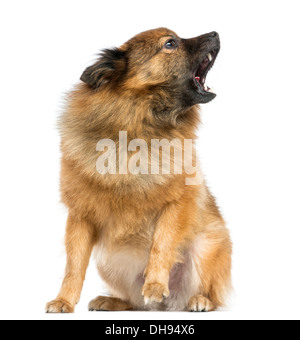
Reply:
x=155, y=292
x=59, y=307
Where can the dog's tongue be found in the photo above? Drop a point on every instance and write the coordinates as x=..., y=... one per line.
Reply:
x=206, y=88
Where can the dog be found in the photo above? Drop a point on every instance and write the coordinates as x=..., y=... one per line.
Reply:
x=159, y=244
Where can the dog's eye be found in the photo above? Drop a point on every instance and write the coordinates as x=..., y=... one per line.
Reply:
x=171, y=44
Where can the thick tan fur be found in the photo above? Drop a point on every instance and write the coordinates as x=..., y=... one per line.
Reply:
x=158, y=243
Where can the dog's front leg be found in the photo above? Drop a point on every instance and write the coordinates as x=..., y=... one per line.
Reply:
x=169, y=234
x=80, y=238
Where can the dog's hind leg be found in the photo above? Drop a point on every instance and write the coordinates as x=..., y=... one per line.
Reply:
x=212, y=256
x=110, y=304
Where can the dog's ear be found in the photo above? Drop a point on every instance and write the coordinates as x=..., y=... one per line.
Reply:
x=110, y=66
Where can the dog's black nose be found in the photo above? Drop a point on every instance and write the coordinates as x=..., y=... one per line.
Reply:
x=214, y=34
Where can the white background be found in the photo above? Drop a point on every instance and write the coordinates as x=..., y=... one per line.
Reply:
x=249, y=143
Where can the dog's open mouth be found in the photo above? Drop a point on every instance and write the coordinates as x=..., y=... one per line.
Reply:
x=205, y=66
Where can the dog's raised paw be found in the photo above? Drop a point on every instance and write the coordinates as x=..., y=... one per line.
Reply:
x=155, y=292
x=59, y=307
x=200, y=303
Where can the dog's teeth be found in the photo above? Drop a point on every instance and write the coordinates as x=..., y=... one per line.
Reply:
x=209, y=56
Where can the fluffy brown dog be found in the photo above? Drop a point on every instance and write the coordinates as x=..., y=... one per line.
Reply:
x=159, y=244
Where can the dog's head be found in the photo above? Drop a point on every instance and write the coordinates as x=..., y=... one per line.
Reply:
x=159, y=58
